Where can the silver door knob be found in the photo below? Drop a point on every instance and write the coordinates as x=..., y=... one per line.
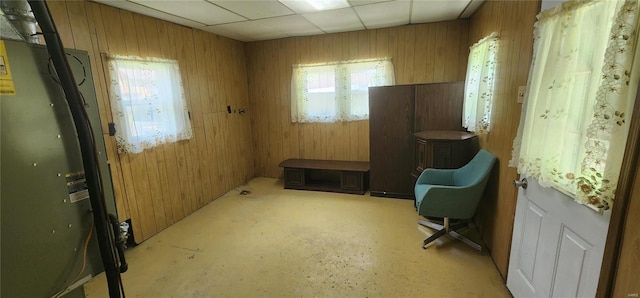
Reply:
x=522, y=183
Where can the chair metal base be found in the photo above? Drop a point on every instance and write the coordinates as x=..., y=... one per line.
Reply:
x=446, y=228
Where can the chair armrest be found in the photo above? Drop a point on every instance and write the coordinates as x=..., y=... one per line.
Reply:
x=436, y=177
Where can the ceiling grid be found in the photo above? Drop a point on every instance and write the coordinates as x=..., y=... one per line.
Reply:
x=251, y=20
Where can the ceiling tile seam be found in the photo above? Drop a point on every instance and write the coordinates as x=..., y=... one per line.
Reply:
x=228, y=23
x=287, y=6
x=250, y=37
x=163, y=12
x=366, y=4
x=219, y=34
x=266, y=18
x=411, y=12
x=314, y=25
x=465, y=9
x=358, y=16
x=233, y=12
x=304, y=15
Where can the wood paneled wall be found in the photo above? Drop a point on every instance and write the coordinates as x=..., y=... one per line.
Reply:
x=158, y=187
x=627, y=274
x=426, y=53
x=513, y=20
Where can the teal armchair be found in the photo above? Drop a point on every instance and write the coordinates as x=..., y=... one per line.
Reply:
x=452, y=194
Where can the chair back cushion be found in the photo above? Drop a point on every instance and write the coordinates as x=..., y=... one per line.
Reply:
x=477, y=169
x=459, y=200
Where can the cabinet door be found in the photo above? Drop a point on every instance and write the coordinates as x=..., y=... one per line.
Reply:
x=391, y=110
x=351, y=180
x=441, y=155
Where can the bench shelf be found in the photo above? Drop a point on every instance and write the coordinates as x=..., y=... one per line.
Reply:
x=326, y=175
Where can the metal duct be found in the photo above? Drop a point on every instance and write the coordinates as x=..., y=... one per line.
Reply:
x=20, y=16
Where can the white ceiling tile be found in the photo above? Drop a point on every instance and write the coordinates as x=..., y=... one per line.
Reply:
x=252, y=30
x=294, y=25
x=385, y=14
x=365, y=2
x=277, y=18
x=198, y=11
x=337, y=20
x=427, y=11
x=473, y=6
x=301, y=6
x=225, y=32
x=255, y=9
x=130, y=6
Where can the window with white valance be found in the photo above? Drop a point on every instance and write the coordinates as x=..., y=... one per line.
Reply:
x=479, y=89
x=147, y=103
x=580, y=95
x=336, y=91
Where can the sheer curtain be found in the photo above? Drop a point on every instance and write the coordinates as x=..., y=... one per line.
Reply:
x=147, y=103
x=579, y=99
x=479, y=89
x=336, y=91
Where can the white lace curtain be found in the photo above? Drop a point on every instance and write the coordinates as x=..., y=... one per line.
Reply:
x=336, y=91
x=147, y=103
x=479, y=89
x=579, y=99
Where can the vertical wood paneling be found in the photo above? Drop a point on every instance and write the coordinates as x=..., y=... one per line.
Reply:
x=160, y=186
x=627, y=275
x=420, y=53
x=431, y=50
x=59, y=9
x=441, y=50
x=513, y=20
x=122, y=205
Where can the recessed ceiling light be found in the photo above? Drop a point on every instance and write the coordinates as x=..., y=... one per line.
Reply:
x=304, y=6
x=327, y=4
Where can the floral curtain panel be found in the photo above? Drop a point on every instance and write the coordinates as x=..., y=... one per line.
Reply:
x=580, y=95
x=147, y=103
x=479, y=89
x=336, y=91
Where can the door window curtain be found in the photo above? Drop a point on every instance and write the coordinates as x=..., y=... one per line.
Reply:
x=479, y=89
x=147, y=103
x=336, y=91
x=580, y=95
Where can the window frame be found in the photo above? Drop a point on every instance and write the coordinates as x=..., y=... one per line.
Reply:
x=158, y=87
x=339, y=101
x=480, y=87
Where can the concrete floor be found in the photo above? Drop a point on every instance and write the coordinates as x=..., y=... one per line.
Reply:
x=287, y=243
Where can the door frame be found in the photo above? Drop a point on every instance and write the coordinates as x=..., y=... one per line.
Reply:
x=619, y=212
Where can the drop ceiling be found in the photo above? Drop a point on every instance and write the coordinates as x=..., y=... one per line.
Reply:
x=271, y=19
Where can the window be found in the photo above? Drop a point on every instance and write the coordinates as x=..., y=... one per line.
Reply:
x=581, y=91
x=479, y=89
x=147, y=103
x=336, y=91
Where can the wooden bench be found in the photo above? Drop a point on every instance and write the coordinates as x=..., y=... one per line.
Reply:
x=326, y=175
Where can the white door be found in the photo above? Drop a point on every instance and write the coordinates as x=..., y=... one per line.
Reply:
x=557, y=245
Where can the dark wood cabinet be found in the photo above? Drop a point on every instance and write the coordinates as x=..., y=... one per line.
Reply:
x=444, y=150
x=395, y=114
x=326, y=175
x=391, y=117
